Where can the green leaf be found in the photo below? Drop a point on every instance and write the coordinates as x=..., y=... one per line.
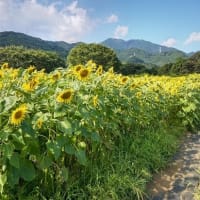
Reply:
x=8, y=150
x=27, y=128
x=13, y=176
x=60, y=111
x=95, y=137
x=45, y=161
x=70, y=149
x=64, y=173
x=189, y=108
x=3, y=179
x=9, y=102
x=27, y=170
x=61, y=139
x=54, y=148
x=64, y=126
x=81, y=157
x=14, y=160
x=2, y=105
x=18, y=141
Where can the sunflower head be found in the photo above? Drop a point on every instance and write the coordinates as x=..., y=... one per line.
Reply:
x=31, y=69
x=99, y=70
x=56, y=76
x=77, y=68
x=91, y=65
x=111, y=70
x=124, y=79
x=18, y=115
x=5, y=66
x=65, y=96
x=30, y=85
x=84, y=74
x=39, y=123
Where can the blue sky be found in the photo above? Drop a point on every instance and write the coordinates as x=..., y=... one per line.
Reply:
x=174, y=23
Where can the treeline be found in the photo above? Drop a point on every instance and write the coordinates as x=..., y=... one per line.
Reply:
x=182, y=66
x=18, y=56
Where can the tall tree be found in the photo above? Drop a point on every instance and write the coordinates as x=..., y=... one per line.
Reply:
x=100, y=54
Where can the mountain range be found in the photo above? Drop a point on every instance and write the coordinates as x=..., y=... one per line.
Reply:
x=137, y=51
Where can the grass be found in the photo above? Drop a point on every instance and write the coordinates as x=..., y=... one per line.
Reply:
x=123, y=172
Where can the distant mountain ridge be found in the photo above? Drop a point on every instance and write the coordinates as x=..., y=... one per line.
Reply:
x=141, y=51
x=138, y=44
x=137, y=51
x=8, y=38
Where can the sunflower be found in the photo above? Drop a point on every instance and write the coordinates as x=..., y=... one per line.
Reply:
x=65, y=96
x=5, y=66
x=84, y=74
x=30, y=86
x=18, y=115
x=124, y=79
x=56, y=76
x=31, y=69
x=39, y=123
x=77, y=68
x=99, y=70
x=111, y=70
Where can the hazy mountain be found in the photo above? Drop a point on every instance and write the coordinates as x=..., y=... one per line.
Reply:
x=138, y=44
x=141, y=50
x=133, y=51
x=8, y=38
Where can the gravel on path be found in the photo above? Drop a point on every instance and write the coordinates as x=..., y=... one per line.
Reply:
x=179, y=179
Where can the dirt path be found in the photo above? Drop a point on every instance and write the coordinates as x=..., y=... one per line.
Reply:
x=178, y=180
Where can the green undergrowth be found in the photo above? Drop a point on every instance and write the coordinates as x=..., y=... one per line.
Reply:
x=122, y=172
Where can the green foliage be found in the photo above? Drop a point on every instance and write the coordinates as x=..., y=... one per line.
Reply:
x=182, y=66
x=100, y=54
x=22, y=57
x=131, y=68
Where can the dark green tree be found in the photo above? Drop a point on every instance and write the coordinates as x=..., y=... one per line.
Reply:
x=23, y=57
x=133, y=68
x=100, y=54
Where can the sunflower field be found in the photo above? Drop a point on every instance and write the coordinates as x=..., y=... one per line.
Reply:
x=82, y=133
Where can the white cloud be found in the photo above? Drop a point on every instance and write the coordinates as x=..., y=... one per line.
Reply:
x=194, y=37
x=170, y=42
x=51, y=21
x=121, y=31
x=112, y=19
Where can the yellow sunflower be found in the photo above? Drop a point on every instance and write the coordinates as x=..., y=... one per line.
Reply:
x=56, y=76
x=5, y=66
x=65, y=96
x=99, y=70
x=18, y=115
x=30, y=86
x=111, y=70
x=124, y=79
x=84, y=74
x=39, y=123
x=77, y=68
x=31, y=69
